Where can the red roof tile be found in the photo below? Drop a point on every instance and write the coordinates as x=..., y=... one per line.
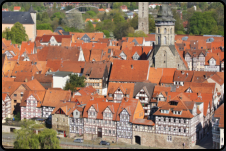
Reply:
x=130, y=70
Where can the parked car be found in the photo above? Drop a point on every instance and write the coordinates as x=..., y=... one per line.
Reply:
x=104, y=143
x=78, y=140
x=58, y=137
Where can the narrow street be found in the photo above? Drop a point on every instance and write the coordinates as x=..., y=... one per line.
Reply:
x=205, y=143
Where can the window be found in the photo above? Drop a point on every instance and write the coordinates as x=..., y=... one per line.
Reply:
x=105, y=131
x=165, y=41
x=159, y=128
x=15, y=95
x=179, y=130
x=94, y=130
x=109, y=131
x=76, y=128
x=105, y=122
x=165, y=31
x=63, y=120
x=110, y=95
x=169, y=138
x=113, y=131
x=169, y=128
x=184, y=130
x=57, y=119
x=14, y=102
x=158, y=30
x=21, y=94
x=105, y=114
x=150, y=127
x=109, y=122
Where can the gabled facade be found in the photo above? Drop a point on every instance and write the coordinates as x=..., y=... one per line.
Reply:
x=213, y=66
x=31, y=104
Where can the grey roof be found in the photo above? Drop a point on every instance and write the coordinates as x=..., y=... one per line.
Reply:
x=165, y=14
x=13, y=17
x=61, y=73
x=59, y=28
x=31, y=10
x=66, y=33
x=210, y=40
x=148, y=88
x=173, y=49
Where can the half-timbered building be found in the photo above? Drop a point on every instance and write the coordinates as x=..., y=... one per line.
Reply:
x=179, y=116
x=143, y=91
x=51, y=100
x=128, y=110
x=100, y=119
x=67, y=118
x=31, y=104
x=117, y=91
x=6, y=107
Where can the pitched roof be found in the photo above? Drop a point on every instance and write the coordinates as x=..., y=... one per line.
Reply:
x=53, y=97
x=143, y=122
x=27, y=47
x=181, y=75
x=126, y=88
x=8, y=67
x=38, y=95
x=66, y=42
x=139, y=40
x=89, y=90
x=218, y=79
x=209, y=56
x=219, y=113
x=22, y=66
x=84, y=99
x=96, y=55
x=58, y=52
x=197, y=87
x=150, y=37
x=46, y=38
x=95, y=69
x=168, y=74
x=130, y=70
x=155, y=75
x=34, y=85
x=147, y=87
x=43, y=78
x=100, y=105
x=23, y=76
x=92, y=36
x=127, y=45
x=10, y=86
x=201, y=76
x=72, y=66
x=40, y=33
x=9, y=17
x=7, y=79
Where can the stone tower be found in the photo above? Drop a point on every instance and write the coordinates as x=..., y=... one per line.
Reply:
x=143, y=22
x=164, y=54
x=33, y=16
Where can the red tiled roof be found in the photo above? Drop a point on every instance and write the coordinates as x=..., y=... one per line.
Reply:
x=150, y=37
x=130, y=70
x=38, y=95
x=72, y=66
x=185, y=76
x=16, y=8
x=155, y=75
x=143, y=122
x=201, y=76
x=46, y=38
x=40, y=33
x=214, y=56
x=168, y=74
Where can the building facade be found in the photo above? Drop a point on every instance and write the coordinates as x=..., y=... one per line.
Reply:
x=6, y=107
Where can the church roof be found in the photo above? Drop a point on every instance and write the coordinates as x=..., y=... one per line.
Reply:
x=31, y=10
x=13, y=17
x=165, y=14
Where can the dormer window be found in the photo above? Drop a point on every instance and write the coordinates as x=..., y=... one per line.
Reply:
x=110, y=95
x=173, y=103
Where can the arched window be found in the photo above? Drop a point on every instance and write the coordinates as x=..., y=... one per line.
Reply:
x=170, y=40
x=165, y=41
x=165, y=31
x=158, y=30
x=171, y=31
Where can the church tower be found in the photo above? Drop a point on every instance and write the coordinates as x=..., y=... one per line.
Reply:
x=33, y=16
x=143, y=21
x=164, y=54
x=164, y=24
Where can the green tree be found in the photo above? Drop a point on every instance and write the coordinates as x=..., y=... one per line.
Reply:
x=121, y=30
x=48, y=139
x=101, y=6
x=179, y=23
x=44, y=27
x=91, y=13
x=139, y=33
x=54, y=6
x=18, y=33
x=106, y=33
x=17, y=117
x=134, y=22
x=74, y=82
x=26, y=138
x=99, y=26
x=89, y=27
x=151, y=24
x=6, y=34
x=108, y=25
x=74, y=20
x=118, y=18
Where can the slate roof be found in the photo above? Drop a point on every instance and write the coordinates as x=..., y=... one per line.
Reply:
x=31, y=10
x=13, y=17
